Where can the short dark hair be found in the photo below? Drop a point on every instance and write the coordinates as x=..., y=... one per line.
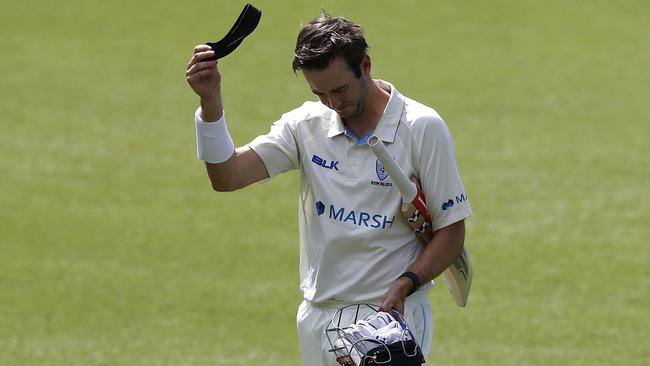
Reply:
x=326, y=38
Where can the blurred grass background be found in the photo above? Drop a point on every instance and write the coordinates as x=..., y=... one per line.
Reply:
x=116, y=252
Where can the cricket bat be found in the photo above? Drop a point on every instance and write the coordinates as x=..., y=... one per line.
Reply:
x=459, y=275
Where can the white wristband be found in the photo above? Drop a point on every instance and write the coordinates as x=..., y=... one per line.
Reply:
x=213, y=142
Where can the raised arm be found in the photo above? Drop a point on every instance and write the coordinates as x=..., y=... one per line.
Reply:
x=229, y=169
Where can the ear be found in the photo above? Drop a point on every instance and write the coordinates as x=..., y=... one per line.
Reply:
x=366, y=65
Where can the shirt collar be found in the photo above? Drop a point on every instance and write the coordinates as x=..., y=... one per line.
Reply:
x=386, y=127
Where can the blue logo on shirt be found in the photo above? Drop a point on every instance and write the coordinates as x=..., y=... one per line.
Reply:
x=382, y=173
x=450, y=203
x=356, y=218
x=320, y=208
x=324, y=163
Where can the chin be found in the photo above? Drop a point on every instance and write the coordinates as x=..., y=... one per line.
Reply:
x=342, y=112
x=347, y=115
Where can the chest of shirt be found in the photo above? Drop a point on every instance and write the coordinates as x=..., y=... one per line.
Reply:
x=348, y=172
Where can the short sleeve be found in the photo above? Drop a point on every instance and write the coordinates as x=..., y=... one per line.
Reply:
x=278, y=149
x=441, y=183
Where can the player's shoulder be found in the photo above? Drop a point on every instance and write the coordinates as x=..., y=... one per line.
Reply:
x=420, y=117
x=309, y=119
x=309, y=112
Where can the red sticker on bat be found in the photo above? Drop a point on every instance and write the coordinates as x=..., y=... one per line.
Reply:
x=420, y=202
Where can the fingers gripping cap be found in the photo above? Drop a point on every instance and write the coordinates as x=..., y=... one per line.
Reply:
x=245, y=25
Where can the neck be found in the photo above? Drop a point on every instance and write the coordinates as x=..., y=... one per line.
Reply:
x=378, y=96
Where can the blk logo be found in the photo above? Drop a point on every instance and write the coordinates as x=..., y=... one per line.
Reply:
x=324, y=163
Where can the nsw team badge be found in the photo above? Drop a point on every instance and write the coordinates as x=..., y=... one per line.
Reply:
x=382, y=174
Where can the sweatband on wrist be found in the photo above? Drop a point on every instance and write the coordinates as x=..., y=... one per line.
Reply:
x=414, y=278
x=213, y=142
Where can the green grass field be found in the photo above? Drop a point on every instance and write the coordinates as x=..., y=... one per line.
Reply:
x=115, y=251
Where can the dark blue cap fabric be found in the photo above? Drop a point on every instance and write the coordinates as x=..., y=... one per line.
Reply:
x=245, y=25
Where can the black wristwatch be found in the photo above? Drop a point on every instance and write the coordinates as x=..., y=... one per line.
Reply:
x=414, y=278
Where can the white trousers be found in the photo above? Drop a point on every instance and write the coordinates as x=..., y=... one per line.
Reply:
x=314, y=318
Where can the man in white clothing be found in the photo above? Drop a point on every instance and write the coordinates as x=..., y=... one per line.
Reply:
x=354, y=244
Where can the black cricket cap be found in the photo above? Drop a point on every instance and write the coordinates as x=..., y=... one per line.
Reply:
x=245, y=25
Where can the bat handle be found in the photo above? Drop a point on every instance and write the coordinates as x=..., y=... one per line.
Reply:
x=407, y=188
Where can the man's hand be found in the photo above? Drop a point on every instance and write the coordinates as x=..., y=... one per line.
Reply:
x=205, y=79
x=202, y=74
x=395, y=297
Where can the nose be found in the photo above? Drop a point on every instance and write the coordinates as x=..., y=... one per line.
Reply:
x=334, y=102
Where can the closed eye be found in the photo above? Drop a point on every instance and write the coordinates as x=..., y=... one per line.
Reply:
x=340, y=89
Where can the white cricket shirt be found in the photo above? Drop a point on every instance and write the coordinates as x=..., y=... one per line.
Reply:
x=353, y=240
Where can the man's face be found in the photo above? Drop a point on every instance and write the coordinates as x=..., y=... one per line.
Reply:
x=339, y=88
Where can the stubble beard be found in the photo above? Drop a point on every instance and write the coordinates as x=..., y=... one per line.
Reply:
x=362, y=100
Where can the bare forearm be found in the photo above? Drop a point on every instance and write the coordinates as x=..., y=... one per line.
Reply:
x=221, y=175
x=243, y=168
x=211, y=107
x=440, y=252
x=437, y=255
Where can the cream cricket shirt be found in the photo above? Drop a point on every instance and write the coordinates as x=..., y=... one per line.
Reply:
x=353, y=240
